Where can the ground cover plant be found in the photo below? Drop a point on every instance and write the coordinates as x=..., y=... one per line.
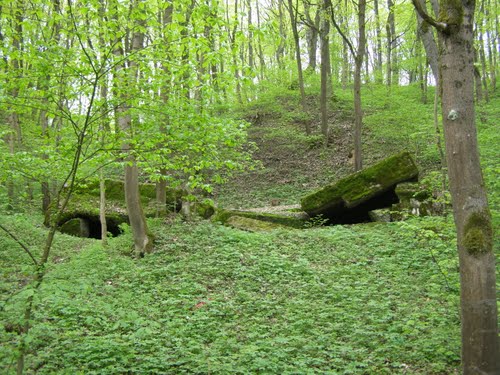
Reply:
x=217, y=300
x=370, y=298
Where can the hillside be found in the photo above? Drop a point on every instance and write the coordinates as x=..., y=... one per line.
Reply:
x=373, y=298
x=294, y=163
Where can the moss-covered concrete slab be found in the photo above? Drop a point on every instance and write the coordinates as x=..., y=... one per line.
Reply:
x=115, y=191
x=351, y=198
x=287, y=219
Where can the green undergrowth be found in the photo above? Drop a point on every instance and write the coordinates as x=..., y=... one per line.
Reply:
x=362, y=299
x=366, y=299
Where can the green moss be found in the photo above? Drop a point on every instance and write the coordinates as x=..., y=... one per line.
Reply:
x=478, y=234
x=223, y=217
x=252, y=225
x=205, y=208
x=363, y=185
x=114, y=190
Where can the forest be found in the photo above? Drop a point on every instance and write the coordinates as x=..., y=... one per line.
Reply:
x=249, y=187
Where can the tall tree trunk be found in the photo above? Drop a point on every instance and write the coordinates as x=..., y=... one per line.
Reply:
x=495, y=42
x=422, y=74
x=312, y=36
x=346, y=66
x=251, y=59
x=161, y=185
x=280, y=50
x=14, y=137
x=482, y=56
x=424, y=32
x=293, y=18
x=135, y=212
x=358, y=111
x=392, y=69
x=358, y=55
x=478, y=84
x=325, y=69
x=232, y=38
x=259, y=45
x=378, y=52
x=479, y=315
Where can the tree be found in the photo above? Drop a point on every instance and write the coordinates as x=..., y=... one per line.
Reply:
x=358, y=54
x=424, y=31
x=324, y=33
x=480, y=346
x=293, y=11
x=128, y=75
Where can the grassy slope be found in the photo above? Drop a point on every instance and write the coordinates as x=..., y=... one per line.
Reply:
x=365, y=299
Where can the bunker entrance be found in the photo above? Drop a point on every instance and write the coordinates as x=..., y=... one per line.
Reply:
x=361, y=213
x=89, y=226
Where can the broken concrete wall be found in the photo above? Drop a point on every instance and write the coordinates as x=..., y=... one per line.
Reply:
x=350, y=199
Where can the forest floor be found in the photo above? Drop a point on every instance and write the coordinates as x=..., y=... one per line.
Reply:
x=373, y=298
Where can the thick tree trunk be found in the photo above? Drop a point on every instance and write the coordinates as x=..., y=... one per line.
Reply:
x=480, y=347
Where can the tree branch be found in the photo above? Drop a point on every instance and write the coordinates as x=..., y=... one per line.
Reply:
x=337, y=27
x=441, y=26
x=25, y=248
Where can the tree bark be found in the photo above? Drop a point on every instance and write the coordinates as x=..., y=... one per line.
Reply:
x=424, y=31
x=479, y=315
x=135, y=212
x=358, y=111
x=390, y=28
x=482, y=56
x=346, y=73
x=293, y=19
x=14, y=137
x=259, y=45
x=251, y=60
x=161, y=185
x=325, y=68
x=280, y=50
x=312, y=36
x=378, y=52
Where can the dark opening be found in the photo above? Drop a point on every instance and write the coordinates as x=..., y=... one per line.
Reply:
x=94, y=226
x=90, y=226
x=360, y=214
